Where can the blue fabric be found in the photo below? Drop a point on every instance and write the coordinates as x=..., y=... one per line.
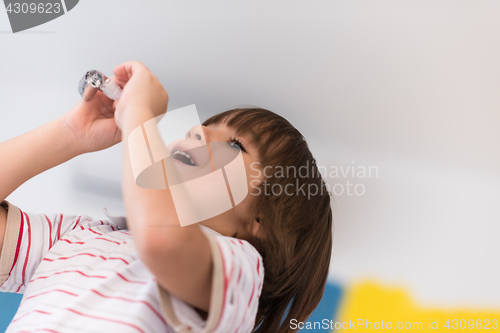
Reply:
x=327, y=308
x=9, y=303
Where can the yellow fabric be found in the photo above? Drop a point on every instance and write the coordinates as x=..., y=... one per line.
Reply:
x=372, y=302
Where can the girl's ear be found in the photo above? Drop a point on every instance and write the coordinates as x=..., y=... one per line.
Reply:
x=256, y=226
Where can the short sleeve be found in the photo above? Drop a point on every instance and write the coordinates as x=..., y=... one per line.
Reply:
x=237, y=279
x=28, y=237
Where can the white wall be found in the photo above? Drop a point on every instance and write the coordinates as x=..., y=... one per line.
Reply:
x=411, y=87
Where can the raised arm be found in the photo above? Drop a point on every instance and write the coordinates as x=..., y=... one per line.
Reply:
x=180, y=258
x=30, y=154
x=88, y=126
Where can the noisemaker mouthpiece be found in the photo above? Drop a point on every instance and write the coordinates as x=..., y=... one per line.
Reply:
x=94, y=80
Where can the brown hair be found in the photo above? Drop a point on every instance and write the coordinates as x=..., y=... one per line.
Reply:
x=297, y=228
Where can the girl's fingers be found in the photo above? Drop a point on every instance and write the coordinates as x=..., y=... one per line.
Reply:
x=124, y=72
x=122, y=75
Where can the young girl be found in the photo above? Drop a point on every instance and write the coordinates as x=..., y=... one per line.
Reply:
x=253, y=268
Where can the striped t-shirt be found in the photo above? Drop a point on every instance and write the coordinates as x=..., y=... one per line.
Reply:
x=78, y=274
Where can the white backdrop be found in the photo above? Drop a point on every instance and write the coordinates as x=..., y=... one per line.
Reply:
x=411, y=87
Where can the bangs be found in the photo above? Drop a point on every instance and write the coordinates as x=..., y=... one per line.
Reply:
x=266, y=130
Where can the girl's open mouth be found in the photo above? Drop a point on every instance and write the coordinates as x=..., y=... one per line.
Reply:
x=184, y=157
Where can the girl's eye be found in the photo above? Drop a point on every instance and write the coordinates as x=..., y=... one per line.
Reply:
x=235, y=143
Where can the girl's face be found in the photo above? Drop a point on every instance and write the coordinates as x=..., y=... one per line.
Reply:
x=208, y=148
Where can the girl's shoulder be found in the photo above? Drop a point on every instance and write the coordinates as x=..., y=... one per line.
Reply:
x=232, y=243
x=235, y=255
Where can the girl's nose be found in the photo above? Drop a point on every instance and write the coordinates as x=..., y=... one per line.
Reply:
x=196, y=132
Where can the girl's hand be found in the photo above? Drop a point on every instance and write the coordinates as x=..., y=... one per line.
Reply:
x=91, y=126
x=141, y=91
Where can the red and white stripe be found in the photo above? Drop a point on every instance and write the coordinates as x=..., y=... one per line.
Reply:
x=79, y=274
